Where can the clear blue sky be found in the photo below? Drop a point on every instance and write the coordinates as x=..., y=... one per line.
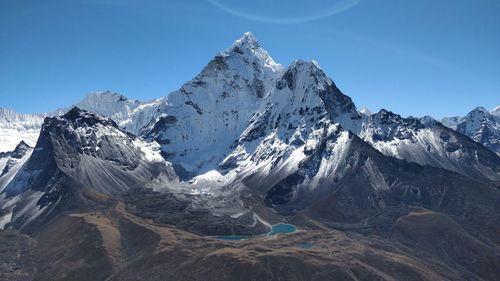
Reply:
x=414, y=57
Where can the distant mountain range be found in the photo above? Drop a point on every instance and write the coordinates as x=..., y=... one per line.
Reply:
x=246, y=144
x=481, y=125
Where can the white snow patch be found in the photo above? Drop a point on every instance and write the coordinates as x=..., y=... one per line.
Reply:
x=4, y=220
x=150, y=150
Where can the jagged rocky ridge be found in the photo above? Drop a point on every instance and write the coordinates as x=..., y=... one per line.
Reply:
x=80, y=153
x=202, y=123
x=429, y=143
x=79, y=148
x=480, y=125
x=245, y=116
x=248, y=143
x=130, y=115
x=246, y=120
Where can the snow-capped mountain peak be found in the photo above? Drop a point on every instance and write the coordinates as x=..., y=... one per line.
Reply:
x=20, y=150
x=428, y=120
x=496, y=111
x=482, y=126
x=201, y=120
x=110, y=104
x=82, y=147
x=243, y=95
x=239, y=104
x=77, y=115
x=297, y=73
x=478, y=113
x=306, y=78
x=246, y=56
x=248, y=41
x=106, y=101
x=474, y=119
x=479, y=124
x=131, y=115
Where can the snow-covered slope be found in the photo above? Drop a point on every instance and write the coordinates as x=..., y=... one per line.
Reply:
x=131, y=115
x=81, y=157
x=109, y=104
x=84, y=145
x=207, y=114
x=481, y=125
x=243, y=97
x=16, y=127
x=12, y=161
x=429, y=143
x=291, y=118
x=244, y=131
x=219, y=119
x=80, y=150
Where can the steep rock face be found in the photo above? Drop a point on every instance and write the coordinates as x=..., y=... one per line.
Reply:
x=429, y=144
x=258, y=144
x=10, y=158
x=242, y=97
x=480, y=125
x=87, y=145
x=290, y=135
x=303, y=107
x=307, y=88
x=130, y=115
x=84, y=151
x=341, y=180
x=297, y=151
x=295, y=177
x=83, y=160
x=11, y=161
x=209, y=112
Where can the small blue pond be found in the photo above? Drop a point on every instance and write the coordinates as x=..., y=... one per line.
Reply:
x=280, y=228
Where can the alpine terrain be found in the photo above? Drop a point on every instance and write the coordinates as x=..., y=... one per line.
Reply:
x=480, y=125
x=252, y=170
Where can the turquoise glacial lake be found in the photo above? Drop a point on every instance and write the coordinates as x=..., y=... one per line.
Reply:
x=280, y=228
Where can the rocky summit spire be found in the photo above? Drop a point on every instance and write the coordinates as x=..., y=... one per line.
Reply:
x=247, y=42
x=248, y=50
x=21, y=149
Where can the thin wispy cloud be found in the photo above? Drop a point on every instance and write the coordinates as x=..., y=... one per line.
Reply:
x=333, y=8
